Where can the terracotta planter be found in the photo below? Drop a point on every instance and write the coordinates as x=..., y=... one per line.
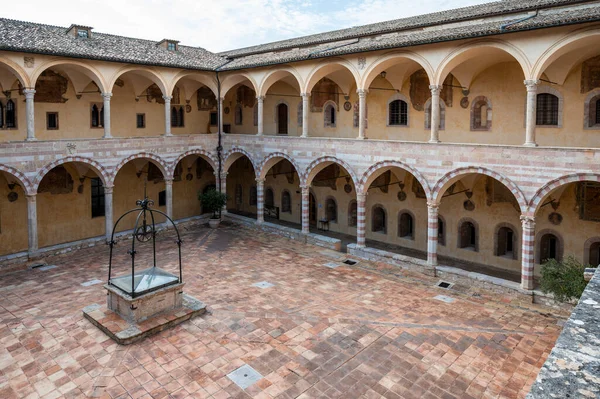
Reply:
x=214, y=223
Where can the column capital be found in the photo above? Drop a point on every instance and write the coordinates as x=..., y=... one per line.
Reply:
x=221, y=99
x=362, y=92
x=108, y=189
x=106, y=96
x=260, y=180
x=361, y=196
x=167, y=98
x=531, y=84
x=168, y=181
x=304, y=95
x=528, y=222
x=260, y=99
x=435, y=89
x=29, y=93
x=223, y=174
x=305, y=188
x=433, y=205
x=31, y=197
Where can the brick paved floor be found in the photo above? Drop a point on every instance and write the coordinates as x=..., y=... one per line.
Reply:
x=348, y=332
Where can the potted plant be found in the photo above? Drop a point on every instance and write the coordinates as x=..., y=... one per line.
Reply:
x=213, y=201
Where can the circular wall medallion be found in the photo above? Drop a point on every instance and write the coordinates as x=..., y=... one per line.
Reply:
x=464, y=102
x=226, y=110
x=188, y=108
x=12, y=196
x=80, y=189
x=189, y=177
x=469, y=205
x=347, y=106
x=401, y=196
x=555, y=218
x=348, y=188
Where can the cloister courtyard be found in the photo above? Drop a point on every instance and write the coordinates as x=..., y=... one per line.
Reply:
x=321, y=329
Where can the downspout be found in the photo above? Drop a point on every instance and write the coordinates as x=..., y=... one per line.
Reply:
x=503, y=27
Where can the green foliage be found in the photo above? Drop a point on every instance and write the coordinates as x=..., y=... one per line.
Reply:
x=563, y=279
x=212, y=201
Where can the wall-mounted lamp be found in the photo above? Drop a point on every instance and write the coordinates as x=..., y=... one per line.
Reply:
x=383, y=74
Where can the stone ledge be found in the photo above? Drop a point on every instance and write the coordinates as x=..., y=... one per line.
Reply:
x=126, y=333
x=403, y=261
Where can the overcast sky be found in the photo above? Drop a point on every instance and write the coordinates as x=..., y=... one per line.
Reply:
x=222, y=24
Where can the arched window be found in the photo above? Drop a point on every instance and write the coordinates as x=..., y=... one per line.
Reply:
x=1, y=115
x=238, y=195
x=180, y=119
x=550, y=247
x=174, y=117
x=11, y=115
x=506, y=242
x=547, y=110
x=594, y=254
x=398, y=113
x=329, y=114
x=406, y=228
x=352, y=214
x=592, y=110
x=299, y=114
x=481, y=114
x=467, y=235
x=441, y=231
x=379, y=222
x=252, y=201
x=95, y=116
x=286, y=202
x=331, y=210
x=238, y=114
x=282, y=118
x=255, y=114
x=428, y=114
x=269, y=198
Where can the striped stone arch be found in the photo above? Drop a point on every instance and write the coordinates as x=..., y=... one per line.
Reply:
x=203, y=154
x=100, y=170
x=158, y=161
x=389, y=163
x=310, y=173
x=270, y=160
x=556, y=183
x=23, y=180
x=443, y=183
x=229, y=159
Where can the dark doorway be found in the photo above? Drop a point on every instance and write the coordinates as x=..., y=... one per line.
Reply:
x=312, y=209
x=282, y=119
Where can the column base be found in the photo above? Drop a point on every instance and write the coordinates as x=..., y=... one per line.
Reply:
x=304, y=136
x=30, y=139
x=107, y=137
x=527, y=285
x=168, y=134
x=530, y=145
x=361, y=138
x=434, y=141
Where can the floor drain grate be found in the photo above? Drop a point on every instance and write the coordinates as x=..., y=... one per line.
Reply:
x=444, y=284
x=444, y=298
x=245, y=376
x=331, y=265
x=263, y=284
x=350, y=262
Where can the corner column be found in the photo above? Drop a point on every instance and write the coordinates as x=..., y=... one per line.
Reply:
x=432, y=233
x=106, y=99
x=261, y=100
x=530, y=113
x=305, y=111
x=435, y=113
x=260, y=201
x=527, y=252
x=169, y=195
x=305, y=210
x=362, y=113
x=108, y=211
x=167, y=115
x=29, y=111
x=32, y=232
x=361, y=202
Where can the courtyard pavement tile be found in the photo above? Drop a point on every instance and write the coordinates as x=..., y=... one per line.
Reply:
x=363, y=331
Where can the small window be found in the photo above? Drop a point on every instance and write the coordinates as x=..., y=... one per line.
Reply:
x=549, y=248
x=255, y=114
x=406, y=227
x=1, y=115
x=286, y=202
x=505, y=244
x=398, y=113
x=594, y=254
x=97, y=198
x=97, y=115
x=352, y=214
x=83, y=33
x=269, y=198
x=379, y=224
x=140, y=120
x=547, y=110
x=329, y=115
x=238, y=196
x=467, y=238
x=253, y=200
x=52, y=120
x=171, y=46
x=441, y=232
x=300, y=114
x=162, y=198
x=331, y=210
x=213, y=119
x=174, y=117
x=11, y=115
x=597, y=111
x=239, y=114
x=481, y=114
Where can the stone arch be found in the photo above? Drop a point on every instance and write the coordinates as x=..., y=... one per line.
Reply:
x=459, y=55
x=275, y=75
x=202, y=153
x=325, y=68
x=148, y=73
x=18, y=71
x=321, y=163
x=99, y=169
x=155, y=159
x=451, y=177
x=389, y=59
x=233, y=155
x=475, y=107
x=234, y=79
x=556, y=183
x=516, y=237
x=23, y=181
x=194, y=75
x=401, y=97
x=589, y=110
x=272, y=159
x=586, y=249
x=560, y=248
x=375, y=171
x=86, y=69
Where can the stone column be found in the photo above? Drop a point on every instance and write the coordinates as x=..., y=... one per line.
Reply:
x=223, y=179
x=361, y=203
x=106, y=98
x=169, y=197
x=435, y=113
x=362, y=113
x=167, y=115
x=260, y=201
x=305, y=209
x=305, y=113
x=530, y=112
x=32, y=224
x=432, y=233
x=221, y=115
x=29, y=111
x=527, y=252
x=108, y=211
x=261, y=119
